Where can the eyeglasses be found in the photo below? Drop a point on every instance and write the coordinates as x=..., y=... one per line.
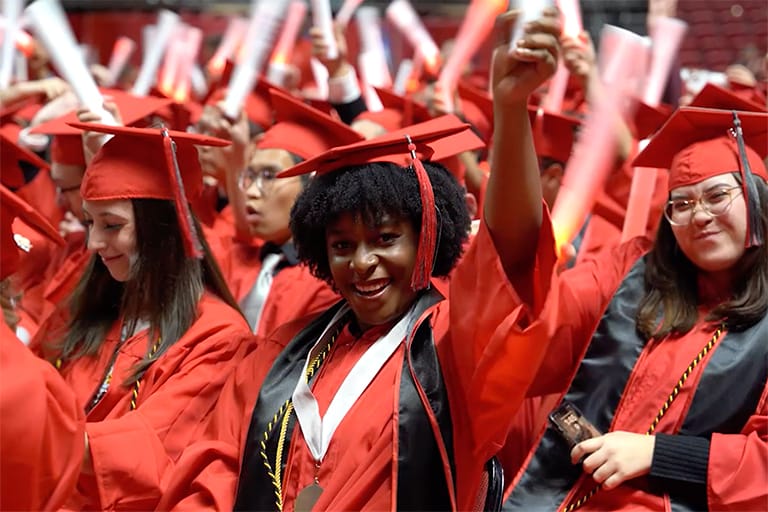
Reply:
x=264, y=179
x=679, y=212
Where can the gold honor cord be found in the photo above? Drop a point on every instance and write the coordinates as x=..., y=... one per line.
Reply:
x=664, y=408
x=285, y=411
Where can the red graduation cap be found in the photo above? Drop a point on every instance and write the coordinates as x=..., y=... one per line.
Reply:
x=477, y=106
x=553, y=134
x=647, y=119
x=399, y=111
x=407, y=148
x=698, y=143
x=67, y=144
x=149, y=163
x=11, y=207
x=11, y=152
x=714, y=96
x=303, y=130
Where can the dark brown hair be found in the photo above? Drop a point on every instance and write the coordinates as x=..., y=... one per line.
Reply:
x=164, y=288
x=670, y=304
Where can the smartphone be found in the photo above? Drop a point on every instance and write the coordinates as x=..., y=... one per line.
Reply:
x=568, y=421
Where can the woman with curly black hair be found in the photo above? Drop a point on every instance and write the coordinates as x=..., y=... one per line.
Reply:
x=411, y=392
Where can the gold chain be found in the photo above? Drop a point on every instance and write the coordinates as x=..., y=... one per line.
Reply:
x=664, y=408
x=285, y=411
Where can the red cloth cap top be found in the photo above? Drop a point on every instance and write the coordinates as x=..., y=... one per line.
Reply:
x=714, y=96
x=696, y=144
x=647, y=119
x=10, y=155
x=303, y=130
x=11, y=207
x=132, y=164
x=437, y=139
x=477, y=106
x=553, y=134
x=399, y=111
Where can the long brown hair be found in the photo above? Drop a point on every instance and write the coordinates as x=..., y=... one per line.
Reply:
x=164, y=288
x=670, y=304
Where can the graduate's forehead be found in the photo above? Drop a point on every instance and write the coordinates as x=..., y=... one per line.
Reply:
x=364, y=221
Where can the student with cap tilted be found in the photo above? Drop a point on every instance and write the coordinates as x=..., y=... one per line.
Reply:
x=42, y=436
x=153, y=330
x=415, y=390
x=662, y=346
x=266, y=278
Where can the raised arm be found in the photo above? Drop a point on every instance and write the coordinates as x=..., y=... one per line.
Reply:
x=513, y=202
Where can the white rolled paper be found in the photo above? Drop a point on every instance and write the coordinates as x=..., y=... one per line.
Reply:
x=266, y=20
x=51, y=27
x=320, y=74
x=347, y=10
x=11, y=13
x=322, y=18
x=372, y=44
x=193, y=38
x=199, y=82
x=666, y=35
x=402, y=76
x=402, y=14
x=529, y=10
x=233, y=37
x=121, y=53
x=167, y=22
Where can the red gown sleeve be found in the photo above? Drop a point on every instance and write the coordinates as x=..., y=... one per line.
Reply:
x=206, y=475
x=738, y=465
x=495, y=344
x=42, y=435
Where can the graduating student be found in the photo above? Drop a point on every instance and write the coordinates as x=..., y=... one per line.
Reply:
x=41, y=440
x=153, y=330
x=411, y=392
x=666, y=342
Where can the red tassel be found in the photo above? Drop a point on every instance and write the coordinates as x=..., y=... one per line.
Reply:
x=192, y=246
x=425, y=253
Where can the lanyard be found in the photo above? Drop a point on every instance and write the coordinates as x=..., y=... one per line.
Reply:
x=319, y=431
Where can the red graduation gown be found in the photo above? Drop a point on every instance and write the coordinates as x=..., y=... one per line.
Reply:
x=42, y=434
x=488, y=360
x=295, y=293
x=132, y=449
x=737, y=468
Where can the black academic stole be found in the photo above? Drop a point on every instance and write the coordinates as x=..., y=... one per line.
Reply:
x=721, y=402
x=421, y=481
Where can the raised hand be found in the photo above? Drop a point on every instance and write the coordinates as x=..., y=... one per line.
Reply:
x=337, y=66
x=616, y=457
x=516, y=74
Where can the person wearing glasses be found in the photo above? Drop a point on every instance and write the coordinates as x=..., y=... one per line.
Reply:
x=662, y=346
x=264, y=272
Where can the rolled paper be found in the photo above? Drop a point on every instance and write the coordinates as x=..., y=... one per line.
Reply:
x=528, y=11
x=11, y=13
x=372, y=44
x=199, y=82
x=401, y=78
x=666, y=35
x=20, y=73
x=347, y=10
x=617, y=43
x=265, y=21
x=147, y=36
x=370, y=70
x=167, y=22
x=193, y=38
x=173, y=55
x=402, y=15
x=639, y=203
x=320, y=74
x=121, y=53
x=294, y=19
x=50, y=25
x=277, y=73
x=594, y=152
x=230, y=42
x=477, y=26
x=570, y=14
x=322, y=18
